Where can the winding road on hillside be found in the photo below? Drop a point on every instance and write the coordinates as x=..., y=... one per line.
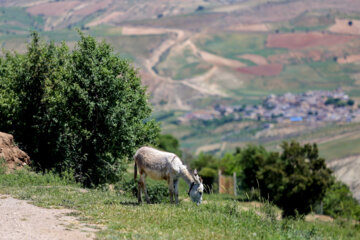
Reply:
x=183, y=39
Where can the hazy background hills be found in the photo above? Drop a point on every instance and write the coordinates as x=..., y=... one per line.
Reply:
x=196, y=55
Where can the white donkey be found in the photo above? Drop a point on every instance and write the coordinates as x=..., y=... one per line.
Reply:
x=167, y=166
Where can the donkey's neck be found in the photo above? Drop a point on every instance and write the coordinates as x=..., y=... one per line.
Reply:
x=185, y=174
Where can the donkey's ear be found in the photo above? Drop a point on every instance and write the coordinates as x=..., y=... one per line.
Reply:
x=196, y=176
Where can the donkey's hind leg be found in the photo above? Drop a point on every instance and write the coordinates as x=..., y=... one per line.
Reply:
x=139, y=191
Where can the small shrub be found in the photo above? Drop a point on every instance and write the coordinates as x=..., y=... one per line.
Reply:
x=157, y=192
x=339, y=202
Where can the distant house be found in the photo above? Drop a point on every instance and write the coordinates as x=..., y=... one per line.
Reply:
x=296, y=119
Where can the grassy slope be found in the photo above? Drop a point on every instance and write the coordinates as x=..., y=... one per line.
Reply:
x=121, y=218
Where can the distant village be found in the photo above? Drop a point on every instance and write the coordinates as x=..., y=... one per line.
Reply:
x=311, y=106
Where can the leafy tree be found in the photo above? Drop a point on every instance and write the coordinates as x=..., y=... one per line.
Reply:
x=251, y=161
x=231, y=163
x=296, y=179
x=168, y=142
x=85, y=110
x=204, y=160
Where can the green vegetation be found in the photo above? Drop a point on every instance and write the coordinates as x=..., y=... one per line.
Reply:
x=181, y=65
x=120, y=217
x=15, y=19
x=169, y=143
x=341, y=147
x=294, y=179
x=337, y=102
x=84, y=110
x=233, y=45
x=339, y=202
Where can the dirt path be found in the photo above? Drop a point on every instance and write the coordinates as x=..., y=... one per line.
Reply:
x=20, y=220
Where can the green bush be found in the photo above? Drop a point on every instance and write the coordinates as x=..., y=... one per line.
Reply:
x=157, y=192
x=84, y=110
x=339, y=202
x=169, y=143
x=293, y=180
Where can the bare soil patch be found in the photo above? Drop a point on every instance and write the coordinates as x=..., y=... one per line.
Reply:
x=250, y=28
x=263, y=70
x=218, y=60
x=257, y=59
x=304, y=40
x=349, y=59
x=347, y=170
x=143, y=31
x=57, y=9
x=318, y=217
x=106, y=19
x=21, y=221
x=342, y=26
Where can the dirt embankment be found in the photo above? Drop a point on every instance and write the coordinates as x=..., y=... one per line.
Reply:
x=347, y=170
x=13, y=156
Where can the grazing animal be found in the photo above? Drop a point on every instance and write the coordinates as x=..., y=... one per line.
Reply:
x=167, y=166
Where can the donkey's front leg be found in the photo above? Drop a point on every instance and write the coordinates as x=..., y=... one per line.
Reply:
x=143, y=180
x=176, y=187
x=171, y=189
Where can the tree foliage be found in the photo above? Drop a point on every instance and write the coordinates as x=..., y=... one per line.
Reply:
x=295, y=179
x=169, y=143
x=85, y=110
x=339, y=202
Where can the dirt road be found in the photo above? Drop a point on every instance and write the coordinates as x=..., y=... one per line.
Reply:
x=20, y=220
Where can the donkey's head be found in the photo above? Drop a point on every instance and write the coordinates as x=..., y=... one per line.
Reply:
x=196, y=189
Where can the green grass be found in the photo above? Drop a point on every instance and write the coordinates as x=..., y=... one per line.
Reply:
x=181, y=65
x=232, y=45
x=341, y=147
x=220, y=217
x=18, y=17
x=336, y=140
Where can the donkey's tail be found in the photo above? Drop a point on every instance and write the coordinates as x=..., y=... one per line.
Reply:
x=135, y=171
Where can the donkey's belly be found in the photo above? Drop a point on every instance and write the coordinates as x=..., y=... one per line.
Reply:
x=157, y=175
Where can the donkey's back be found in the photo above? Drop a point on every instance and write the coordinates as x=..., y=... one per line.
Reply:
x=153, y=162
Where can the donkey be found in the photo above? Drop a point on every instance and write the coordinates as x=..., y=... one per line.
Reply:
x=167, y=166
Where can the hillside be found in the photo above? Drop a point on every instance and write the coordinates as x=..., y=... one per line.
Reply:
x=195, y=55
